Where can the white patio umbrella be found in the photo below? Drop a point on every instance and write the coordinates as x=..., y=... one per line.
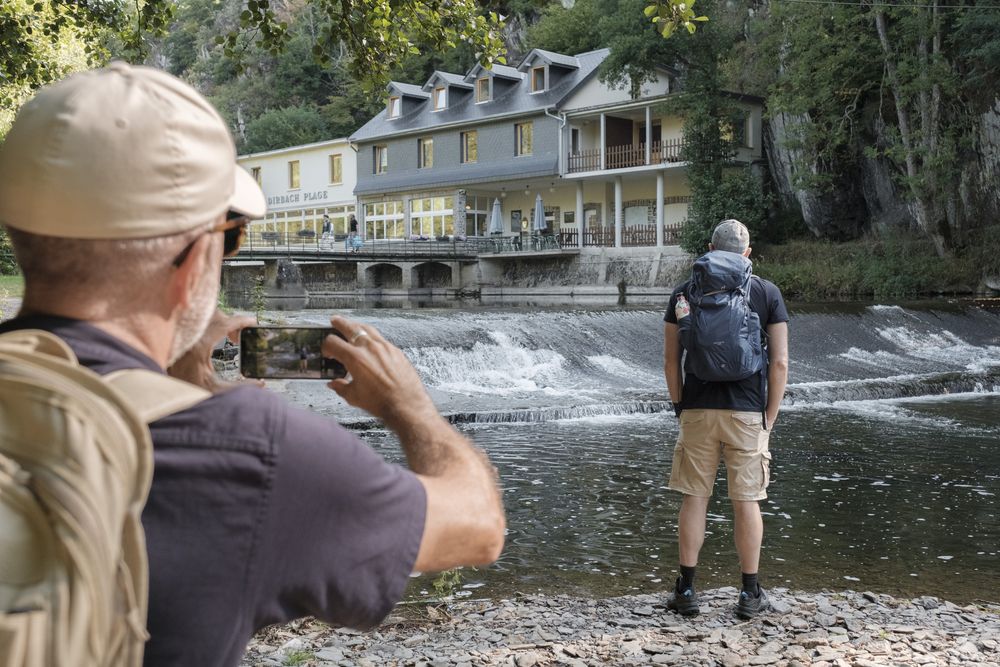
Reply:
x=496, y=219
x=538, y=225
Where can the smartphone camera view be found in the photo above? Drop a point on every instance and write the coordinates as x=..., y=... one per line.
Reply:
x=287, y=353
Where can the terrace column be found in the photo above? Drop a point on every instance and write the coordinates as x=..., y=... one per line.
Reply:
x=659, y=209
x=603, y=140
x=649, y=134
x=580, y=224
x=619, y=214
x=407, y=211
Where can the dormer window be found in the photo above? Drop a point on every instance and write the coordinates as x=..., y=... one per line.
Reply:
x=394, y=107
x=440, y=98
x=537, y=79
x=483, y=89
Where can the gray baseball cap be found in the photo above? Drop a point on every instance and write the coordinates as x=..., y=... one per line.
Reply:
x=731, y=236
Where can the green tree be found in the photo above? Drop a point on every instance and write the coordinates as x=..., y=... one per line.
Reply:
x=290, y=126
x=904, y=84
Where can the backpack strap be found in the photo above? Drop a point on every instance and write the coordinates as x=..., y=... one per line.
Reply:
x=155, y=395
x=151, y=395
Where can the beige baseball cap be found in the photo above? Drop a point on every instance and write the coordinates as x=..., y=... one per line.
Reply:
x=119, y=153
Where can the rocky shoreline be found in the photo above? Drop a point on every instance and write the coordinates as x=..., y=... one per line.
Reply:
x=816, y=629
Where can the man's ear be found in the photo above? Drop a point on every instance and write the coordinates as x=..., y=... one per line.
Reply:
x=746, y=253
x=184, y=278
x=711, y=247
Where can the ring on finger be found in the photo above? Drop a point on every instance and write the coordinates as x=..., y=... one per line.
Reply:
x=354, y=339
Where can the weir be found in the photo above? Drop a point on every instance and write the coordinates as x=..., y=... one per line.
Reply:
x=486, y=366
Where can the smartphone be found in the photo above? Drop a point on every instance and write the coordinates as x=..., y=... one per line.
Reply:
x=288, y=353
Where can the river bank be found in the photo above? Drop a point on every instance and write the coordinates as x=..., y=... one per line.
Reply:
x=819, y=629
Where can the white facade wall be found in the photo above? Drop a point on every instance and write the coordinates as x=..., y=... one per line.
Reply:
x=594, y=93
x=291, y=209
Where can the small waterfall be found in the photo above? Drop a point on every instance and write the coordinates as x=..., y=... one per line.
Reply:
x=523, y=366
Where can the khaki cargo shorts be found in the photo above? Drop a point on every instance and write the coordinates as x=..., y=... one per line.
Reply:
x=708, y=436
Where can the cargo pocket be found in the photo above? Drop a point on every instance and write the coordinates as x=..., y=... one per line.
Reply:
x=765, y=469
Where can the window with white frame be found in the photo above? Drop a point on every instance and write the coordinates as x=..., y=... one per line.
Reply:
x=523, y=138
x=380, y=159
x=336, y=169
x=293, y=175
x=432, y=217
x=440, y=98
x=425, y=153
x=255, y=174
x=483, y=89
x=470, y=146
x=395, y=107
x=537, y=79
x=384, y=220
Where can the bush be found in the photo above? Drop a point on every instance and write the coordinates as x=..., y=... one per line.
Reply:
x=8, y=266
x=890, y=266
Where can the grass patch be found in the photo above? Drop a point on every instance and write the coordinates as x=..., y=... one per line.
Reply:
x=11, y=286
x=884, y=267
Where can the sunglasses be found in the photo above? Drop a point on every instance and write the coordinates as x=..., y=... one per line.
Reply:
x=233, y=229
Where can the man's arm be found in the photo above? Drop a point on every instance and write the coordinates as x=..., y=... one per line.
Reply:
x=465, y=522
x=777, y=369
x=672, y=361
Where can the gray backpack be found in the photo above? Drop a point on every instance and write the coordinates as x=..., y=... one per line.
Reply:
x=722, y=335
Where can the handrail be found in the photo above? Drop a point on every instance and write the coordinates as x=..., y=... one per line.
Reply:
x=624, y=156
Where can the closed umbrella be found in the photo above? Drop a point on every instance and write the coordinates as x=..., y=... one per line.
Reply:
x=496, y=220
x=539, y=224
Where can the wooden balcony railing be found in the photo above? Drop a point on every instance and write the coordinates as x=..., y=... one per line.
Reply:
x=643, y=235
x=621, y=157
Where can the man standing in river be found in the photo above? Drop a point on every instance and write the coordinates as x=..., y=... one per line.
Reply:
x=729, y=421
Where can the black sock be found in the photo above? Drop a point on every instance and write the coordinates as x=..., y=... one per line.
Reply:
x=687, y=578
x=750, y=584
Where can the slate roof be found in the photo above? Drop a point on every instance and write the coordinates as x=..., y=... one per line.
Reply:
x=409, y=90
x=491, y=172
x=501, y=71
x=448, y=78
x=550, y=57
x=517, y=101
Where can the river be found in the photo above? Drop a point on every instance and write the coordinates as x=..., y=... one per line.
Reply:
x=886, y=471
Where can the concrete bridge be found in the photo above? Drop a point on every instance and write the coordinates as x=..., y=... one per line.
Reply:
x=396, y=264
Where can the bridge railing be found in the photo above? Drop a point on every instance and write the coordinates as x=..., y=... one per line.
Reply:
x=272, y=243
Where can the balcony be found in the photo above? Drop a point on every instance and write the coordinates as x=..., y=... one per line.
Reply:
x=622, y=157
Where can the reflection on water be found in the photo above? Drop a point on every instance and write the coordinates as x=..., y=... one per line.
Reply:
x=886, y=468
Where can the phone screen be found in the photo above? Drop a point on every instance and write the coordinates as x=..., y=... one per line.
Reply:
x=287, y=353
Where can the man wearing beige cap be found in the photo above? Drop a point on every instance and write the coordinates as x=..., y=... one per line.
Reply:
x=732, y=328
x=121, y=195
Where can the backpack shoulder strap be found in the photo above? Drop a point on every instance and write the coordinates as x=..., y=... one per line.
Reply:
x=155, y=395
x=29, y=342
x=151, y=395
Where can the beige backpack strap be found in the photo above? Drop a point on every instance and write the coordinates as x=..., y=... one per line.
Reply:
x=36, y=341
x=155, y=395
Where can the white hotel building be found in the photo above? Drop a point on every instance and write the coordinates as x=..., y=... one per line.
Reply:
x=302, y=183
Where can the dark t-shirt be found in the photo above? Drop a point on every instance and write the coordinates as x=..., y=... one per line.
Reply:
x=259, y=513
x=749, y=394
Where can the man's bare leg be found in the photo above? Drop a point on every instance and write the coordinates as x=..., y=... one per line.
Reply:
x=691, y=529
x=749, y=533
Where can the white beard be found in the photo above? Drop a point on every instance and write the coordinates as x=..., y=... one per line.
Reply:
x=194, y=321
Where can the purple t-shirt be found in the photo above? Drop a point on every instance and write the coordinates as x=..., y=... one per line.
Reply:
x=259, y=513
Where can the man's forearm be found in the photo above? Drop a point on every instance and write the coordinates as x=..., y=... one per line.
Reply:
x=777, y=377
x=432, y=445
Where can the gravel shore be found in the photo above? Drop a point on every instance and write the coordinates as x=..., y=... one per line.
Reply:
x=816, y=629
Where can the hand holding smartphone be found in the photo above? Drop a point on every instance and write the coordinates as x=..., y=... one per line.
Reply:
x=288, y=353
